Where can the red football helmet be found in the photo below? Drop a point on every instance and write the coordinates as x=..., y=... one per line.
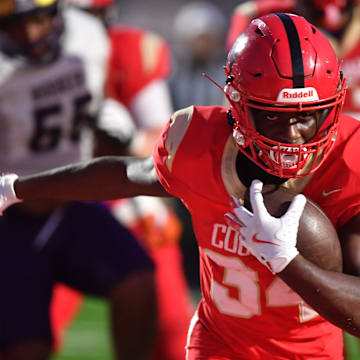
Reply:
x=90, y=4
x=282, y=63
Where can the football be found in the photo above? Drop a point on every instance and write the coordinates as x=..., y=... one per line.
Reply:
x=317, y=238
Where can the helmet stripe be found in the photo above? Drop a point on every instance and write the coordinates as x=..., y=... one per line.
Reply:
x=295, y=50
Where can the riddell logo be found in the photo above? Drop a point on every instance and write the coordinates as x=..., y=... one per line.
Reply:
x=296, y=95
x=301, y=94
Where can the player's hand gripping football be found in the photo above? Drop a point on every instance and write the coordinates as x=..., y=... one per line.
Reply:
x=7, y=192
x=271, y=240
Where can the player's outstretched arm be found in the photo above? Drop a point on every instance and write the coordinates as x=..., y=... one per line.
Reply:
x=102, y=178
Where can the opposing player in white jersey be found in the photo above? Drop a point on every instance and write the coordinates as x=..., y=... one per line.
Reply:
x=45, y=100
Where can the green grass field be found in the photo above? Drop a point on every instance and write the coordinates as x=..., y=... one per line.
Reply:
x=352, y=347
x=88, y=337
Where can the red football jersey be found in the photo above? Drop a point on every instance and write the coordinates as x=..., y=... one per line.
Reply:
x=247, y=312
x=137, y=58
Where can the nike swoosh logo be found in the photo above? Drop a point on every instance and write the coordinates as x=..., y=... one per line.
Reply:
x=327, y=193
x=256, y=240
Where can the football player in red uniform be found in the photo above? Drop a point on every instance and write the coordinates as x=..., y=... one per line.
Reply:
x=338, y=19
x=284, y=126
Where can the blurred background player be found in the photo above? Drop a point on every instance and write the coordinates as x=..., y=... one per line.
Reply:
x=338, y=19
x=136, y=77
x=45, y=100
x=132, y=116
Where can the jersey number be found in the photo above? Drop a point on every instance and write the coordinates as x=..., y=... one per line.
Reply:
x=46, y=137
x=245, y=280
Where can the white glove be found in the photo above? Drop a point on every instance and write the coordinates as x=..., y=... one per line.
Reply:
x=271, y=240
x=7, y=192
